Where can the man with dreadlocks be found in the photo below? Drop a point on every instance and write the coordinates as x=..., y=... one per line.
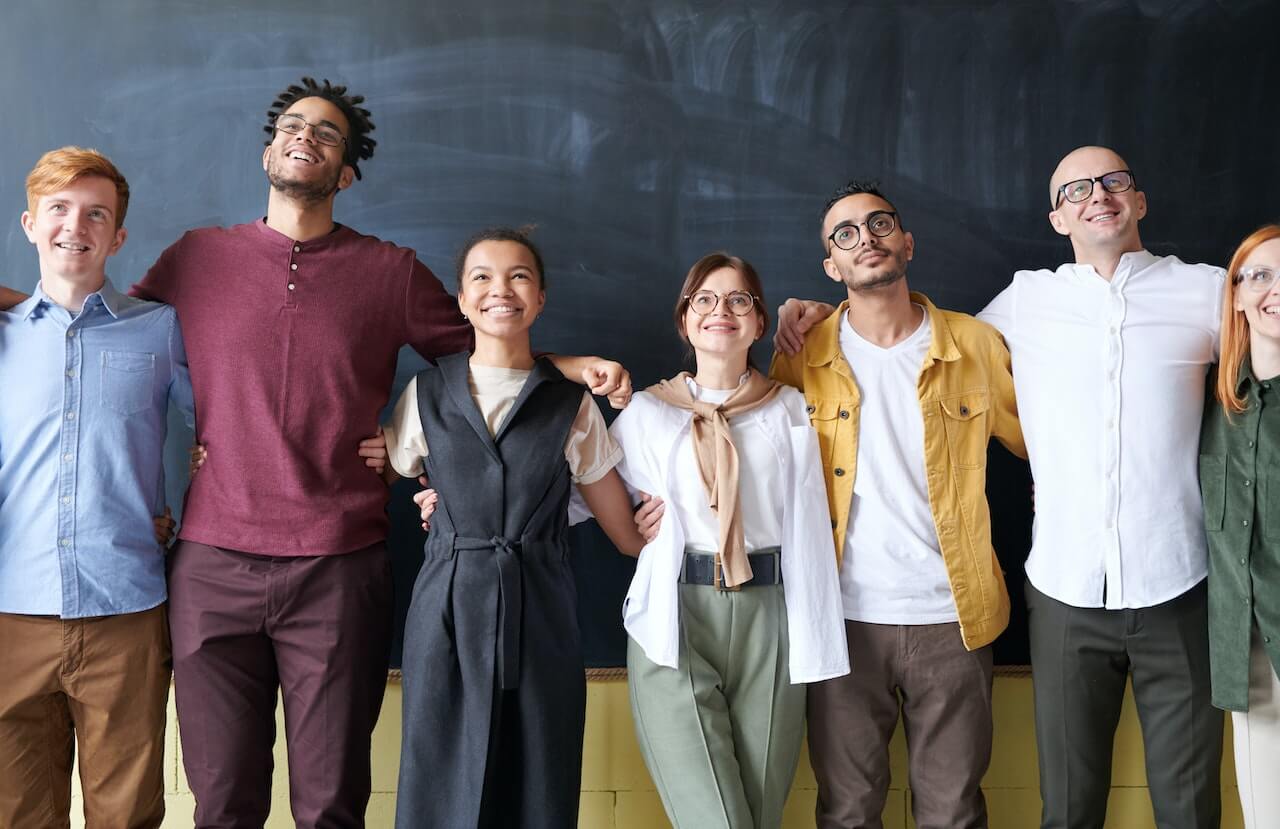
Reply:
x=281, y=578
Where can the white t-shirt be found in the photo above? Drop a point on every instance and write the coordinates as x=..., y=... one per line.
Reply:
x=759, y=485
x=893, y=571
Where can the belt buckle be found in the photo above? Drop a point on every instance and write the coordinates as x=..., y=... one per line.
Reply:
x=718, y=576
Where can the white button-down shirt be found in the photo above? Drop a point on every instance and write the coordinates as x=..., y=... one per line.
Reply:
x=1110, y=378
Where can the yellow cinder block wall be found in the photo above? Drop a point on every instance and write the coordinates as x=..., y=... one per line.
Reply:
x=617, y=792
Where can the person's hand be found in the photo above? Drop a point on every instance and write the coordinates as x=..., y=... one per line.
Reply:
x=198, y=456
x=649, y=516
x=795, y=318
x=374, y=451
x=426, y=501
x=606, y=378
x=164, y=527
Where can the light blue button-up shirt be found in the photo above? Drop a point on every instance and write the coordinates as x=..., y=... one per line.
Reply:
x=83, y=405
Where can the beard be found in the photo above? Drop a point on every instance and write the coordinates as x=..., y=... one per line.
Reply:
x=896, y=272
x=306, y=192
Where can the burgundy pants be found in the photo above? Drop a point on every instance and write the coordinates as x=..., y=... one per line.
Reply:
x=316, y=628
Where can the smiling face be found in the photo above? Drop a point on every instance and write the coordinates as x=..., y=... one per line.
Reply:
x=1261, y=308
x=74, y=230
x=1104, y=221
x=720, y=331
x=875, y=262
x=299, y=166
x=500, y=289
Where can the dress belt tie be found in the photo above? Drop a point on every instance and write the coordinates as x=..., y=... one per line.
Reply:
x=510, y=602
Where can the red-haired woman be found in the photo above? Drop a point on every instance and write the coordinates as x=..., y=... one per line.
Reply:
x=1240, y=483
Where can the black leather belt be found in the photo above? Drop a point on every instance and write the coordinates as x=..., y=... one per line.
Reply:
x=706, y=568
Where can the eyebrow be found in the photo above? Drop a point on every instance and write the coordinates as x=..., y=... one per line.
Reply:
x=105, y=207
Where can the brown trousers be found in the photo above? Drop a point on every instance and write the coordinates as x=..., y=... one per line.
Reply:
x=101, y=682
x=944, y=694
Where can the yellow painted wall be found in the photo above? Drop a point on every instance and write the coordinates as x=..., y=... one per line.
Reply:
x=617, y=793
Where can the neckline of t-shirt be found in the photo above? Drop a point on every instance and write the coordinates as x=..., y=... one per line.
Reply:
x=866, y=346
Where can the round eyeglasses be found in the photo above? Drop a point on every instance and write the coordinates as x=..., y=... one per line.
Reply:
x=704, y=302
x=1257, y=279
x=1082, y=188
x=295, y=124
x=879, y=224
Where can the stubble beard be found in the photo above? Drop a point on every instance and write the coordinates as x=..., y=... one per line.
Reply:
x=306, y=192
x=875, y=283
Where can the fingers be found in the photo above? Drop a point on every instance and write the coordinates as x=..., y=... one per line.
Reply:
x=621, y=396
x=426, y=501
x=649, y=516
x=198, y=457
x=603, y=377
x=164, y=526
x=374, y=451
x=788, y=339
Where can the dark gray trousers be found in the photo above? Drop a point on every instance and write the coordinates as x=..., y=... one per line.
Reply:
x=1080, y=659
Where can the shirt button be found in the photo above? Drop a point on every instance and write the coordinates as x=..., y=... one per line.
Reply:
x=964, y=411
x=297, y=248
x=67, y=457
x=809, y=409
x=291, y=286
x=293, y=266
x=839, y=472
x=71, y=374
x=1245, y=522
x=1250, y=444
x=70, y=334
x=1242, y=561
x=844, y=415
x=1248, y=482
x=66, y=542
x=66, y=499
x=71, y=415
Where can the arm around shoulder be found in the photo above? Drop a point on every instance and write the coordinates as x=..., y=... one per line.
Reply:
x=10, y=298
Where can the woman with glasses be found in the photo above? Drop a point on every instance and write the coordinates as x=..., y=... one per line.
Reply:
x=1240, y=484
x=494, y=688
x=736, y=600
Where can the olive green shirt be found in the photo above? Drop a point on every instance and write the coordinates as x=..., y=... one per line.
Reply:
x=1240, y=484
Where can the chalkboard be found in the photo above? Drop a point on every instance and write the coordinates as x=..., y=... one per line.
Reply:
x=640, y=135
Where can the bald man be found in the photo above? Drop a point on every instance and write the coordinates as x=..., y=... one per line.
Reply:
x=1110, y=354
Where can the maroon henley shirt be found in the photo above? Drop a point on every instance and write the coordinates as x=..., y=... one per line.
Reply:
x=293, y=347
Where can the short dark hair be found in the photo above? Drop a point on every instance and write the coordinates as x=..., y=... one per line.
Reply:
x=359, y=146
x=519, y=235
x=856, y=187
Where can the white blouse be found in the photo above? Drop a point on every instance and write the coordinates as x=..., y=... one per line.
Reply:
x=784, y=502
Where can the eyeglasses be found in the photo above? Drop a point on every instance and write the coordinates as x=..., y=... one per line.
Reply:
x=1257, y=279
x=879, y=224
x=295, y=124
x=704, y=302
x=1082, y=188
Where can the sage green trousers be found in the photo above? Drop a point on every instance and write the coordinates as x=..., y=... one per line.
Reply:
x=721, y=733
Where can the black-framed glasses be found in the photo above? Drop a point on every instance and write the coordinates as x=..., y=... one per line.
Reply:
x=295, y=124
x=1257, y=279
x=879, y=224
x=1077, y=191
x=704, y=302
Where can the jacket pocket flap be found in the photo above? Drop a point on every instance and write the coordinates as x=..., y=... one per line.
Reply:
x=965, y=406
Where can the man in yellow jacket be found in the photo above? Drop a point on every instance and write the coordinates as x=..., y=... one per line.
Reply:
x=923, y=592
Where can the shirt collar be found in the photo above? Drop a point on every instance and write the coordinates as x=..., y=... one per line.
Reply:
x=823, y=342
x=1245, y=378
x=111, y=300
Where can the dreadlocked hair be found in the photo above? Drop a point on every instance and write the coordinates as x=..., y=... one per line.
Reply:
x=359, y=146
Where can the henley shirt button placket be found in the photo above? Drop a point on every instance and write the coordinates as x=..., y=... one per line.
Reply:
x=292, y=284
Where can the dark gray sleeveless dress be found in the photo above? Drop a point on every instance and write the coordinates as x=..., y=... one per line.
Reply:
x=494, y=690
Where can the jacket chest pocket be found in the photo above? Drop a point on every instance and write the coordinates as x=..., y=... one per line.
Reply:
x=827, y=417
x=128, y=378
x=964, y=417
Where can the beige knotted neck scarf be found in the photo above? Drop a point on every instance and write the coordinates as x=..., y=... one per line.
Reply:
x=718, y=458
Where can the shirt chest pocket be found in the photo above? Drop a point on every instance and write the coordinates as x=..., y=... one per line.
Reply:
x=827, y=417
x=128, y=378
x=964, y=417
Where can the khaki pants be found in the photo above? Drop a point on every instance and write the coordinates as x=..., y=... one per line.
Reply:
x=943, y=693
x=101, y=682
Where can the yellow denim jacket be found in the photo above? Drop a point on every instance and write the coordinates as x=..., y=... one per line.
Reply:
x=966, y=398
